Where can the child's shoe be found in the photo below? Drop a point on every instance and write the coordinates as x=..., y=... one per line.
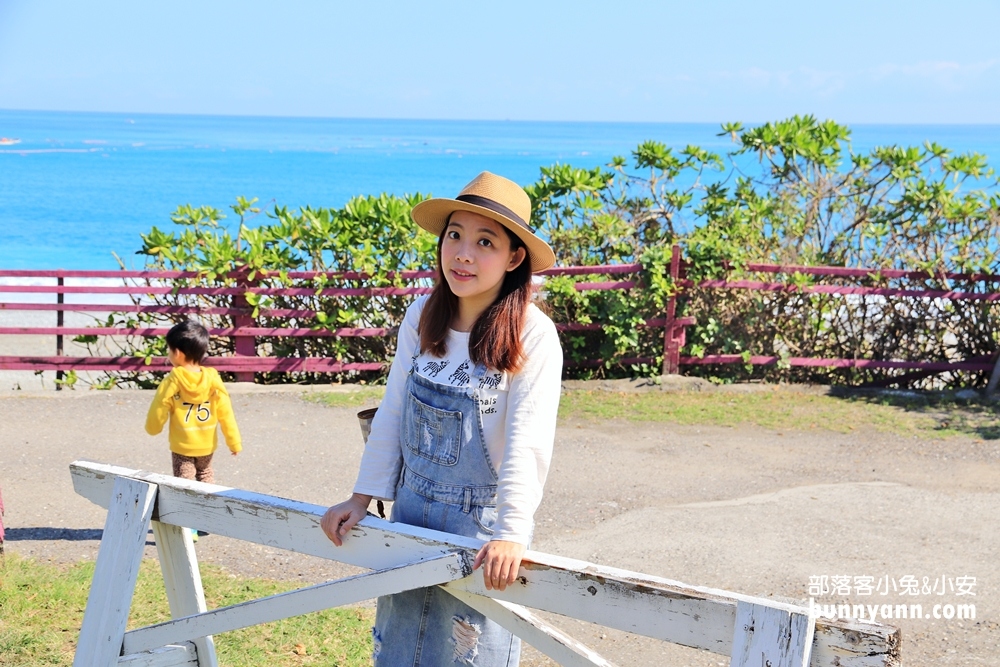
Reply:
x=194, y=535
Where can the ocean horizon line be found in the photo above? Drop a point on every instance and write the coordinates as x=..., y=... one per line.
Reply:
x=406, y=119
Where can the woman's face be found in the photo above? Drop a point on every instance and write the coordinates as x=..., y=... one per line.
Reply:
x=476, y=256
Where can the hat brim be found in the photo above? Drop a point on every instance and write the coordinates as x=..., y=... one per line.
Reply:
x=432, y=215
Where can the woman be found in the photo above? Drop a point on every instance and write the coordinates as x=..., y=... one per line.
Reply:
x=462, y=440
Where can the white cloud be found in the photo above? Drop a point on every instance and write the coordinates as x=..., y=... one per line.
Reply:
x=947, y=74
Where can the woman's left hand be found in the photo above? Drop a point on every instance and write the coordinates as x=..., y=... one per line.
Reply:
x=500, y=560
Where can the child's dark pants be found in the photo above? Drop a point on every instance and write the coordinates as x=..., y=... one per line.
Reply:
x=194, y=467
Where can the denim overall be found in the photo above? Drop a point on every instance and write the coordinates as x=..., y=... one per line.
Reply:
x=447, y=483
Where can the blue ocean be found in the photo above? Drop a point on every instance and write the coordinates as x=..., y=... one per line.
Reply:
x=77, y=187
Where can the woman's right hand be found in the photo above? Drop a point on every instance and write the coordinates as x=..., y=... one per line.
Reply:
x=341, y=518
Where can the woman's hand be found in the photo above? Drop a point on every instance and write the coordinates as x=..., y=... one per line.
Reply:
x=500, y=560
x=341, y=518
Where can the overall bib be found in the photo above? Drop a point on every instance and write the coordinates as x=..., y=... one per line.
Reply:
x=447, y=483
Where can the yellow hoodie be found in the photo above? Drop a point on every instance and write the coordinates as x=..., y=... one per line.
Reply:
x=195, y=403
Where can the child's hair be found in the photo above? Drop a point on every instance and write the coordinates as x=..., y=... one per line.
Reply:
x=190, y=339
x=495, y=339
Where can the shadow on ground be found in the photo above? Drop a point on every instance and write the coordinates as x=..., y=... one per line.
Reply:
x=965, y=412
x=40, y=533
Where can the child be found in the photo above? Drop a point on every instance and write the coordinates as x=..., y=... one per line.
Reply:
x=195, y=401
x=463, y=438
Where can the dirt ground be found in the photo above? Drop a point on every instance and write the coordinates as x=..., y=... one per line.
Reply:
x=745, y=509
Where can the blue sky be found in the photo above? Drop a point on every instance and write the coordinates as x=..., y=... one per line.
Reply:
x=707, y=61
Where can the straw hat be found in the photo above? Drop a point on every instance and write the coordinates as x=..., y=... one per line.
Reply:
x=498, y=199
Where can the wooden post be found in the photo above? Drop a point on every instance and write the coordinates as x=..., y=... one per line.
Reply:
x=994, y=379
x=182, y=580
x=671, y=346
x=59, y=323
x=115, y=573
x=244, y=346
x=771, y=637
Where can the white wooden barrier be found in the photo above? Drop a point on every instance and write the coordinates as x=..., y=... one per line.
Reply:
x=752, y=631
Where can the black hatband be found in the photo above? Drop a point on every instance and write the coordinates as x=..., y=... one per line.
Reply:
x=496, y=207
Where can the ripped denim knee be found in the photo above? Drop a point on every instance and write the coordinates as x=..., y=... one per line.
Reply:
x=465, y=636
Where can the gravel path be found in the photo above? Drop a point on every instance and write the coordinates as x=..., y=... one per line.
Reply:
x=748, y=510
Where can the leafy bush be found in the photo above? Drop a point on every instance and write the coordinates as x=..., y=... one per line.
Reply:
x=815, y=202
x=370, y=240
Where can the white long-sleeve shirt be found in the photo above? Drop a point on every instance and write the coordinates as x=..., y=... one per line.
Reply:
x=518, y=412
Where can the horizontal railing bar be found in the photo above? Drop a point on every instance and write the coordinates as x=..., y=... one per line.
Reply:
x=137, y=308
x=950, y=295
x=600, y=269
x=264, y=291
x=603, y=269
x=594, y=363
x=837, y=271
x=159, y=364
x=837, y=363
x=272, y=332
x=430, y=571
x=215, y=291
x=576, y=326
x=845, y=272
x=164, y=310
x=149, y=332
x=324, y=365
x=588, y=287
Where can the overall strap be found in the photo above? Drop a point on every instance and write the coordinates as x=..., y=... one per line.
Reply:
x=413, y=360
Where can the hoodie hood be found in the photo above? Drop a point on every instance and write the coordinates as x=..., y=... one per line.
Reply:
x=195, y=387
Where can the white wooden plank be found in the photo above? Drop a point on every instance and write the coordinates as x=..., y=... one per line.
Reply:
x=669, y=610
x=764, y=635
x=550, y=640
x=115, y=573
x=182, y=580
x=173, y=655
x=437, y=570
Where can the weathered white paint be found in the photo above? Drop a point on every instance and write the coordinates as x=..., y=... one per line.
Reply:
x=690, y=615
x=550, y=640
x=173, y=655
x=436, y=570
x=770, y=637
x=118, y=559
x=182, y=580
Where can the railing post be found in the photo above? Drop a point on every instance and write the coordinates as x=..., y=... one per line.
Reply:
x=59, y=324
x=244, y=346
x=671, y=346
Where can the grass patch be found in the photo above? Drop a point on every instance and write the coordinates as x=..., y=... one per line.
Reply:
x=42, y=609
x=362, y=397
x=934, y=417
x=930, y=415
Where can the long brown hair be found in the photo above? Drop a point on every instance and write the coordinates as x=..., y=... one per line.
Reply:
x=495, y=339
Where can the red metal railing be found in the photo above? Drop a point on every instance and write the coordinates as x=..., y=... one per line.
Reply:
x=973, y=365
x=244, y=334
x=245, y=362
